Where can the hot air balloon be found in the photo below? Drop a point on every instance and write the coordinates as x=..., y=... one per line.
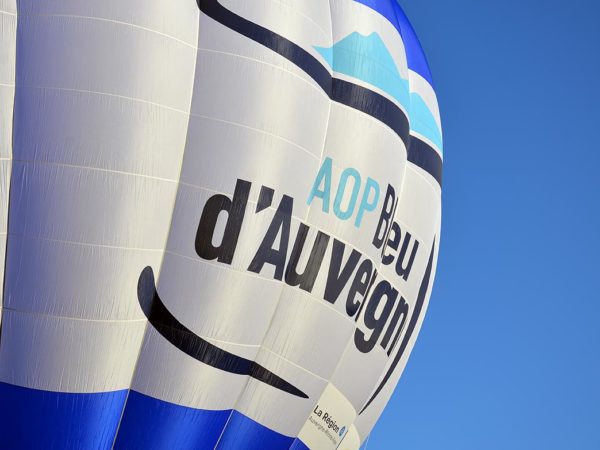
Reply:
x=220, y=220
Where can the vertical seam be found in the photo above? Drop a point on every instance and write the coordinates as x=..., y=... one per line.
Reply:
x=147, y=326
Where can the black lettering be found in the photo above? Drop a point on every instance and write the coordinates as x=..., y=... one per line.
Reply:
x=362, y=305
x=393, y=242
x=306, y=280
x=373, y=322
x=359, y=286
x=235, y=209
x=401, y=312
x=266, y=254
x=387, y=213
x=401, y=269
x=336, y=278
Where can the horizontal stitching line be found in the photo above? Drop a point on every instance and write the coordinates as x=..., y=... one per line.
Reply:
x=304, y=369
x=118, y=22
x=222, y=267
x=97, y=169
x=83, y=244
x=309, y=81
x=108, y=94
x=78, y=319
x=300, y=13
x=257, y=130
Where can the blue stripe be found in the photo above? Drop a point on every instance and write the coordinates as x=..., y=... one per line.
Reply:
x=299, y=445
x=383, y=7
x=154, y=424
x=392, y=11
x=34, y=419
x=243, y=433
x=417, y=62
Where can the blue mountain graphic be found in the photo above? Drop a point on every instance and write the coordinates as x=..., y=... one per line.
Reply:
x=366, y=58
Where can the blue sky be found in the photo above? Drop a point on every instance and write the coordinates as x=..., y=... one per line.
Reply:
x=509, y=355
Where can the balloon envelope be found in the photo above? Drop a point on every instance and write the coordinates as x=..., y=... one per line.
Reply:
x=220, y=220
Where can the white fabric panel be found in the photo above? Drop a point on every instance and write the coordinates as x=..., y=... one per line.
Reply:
x=420, y=205
x=86, y=129
x=84, y=280
x=83, y=205
x=85, y=52
x=5, y=173
x=7, y=95
x=8, y=6
x=240, y=128
x=247, y=152
x=68, y=355
x=366, y=369
x=101, y=113
x=228, y=80
x=157, y=16
x=166, y=373
x=302, y=332
x=8, y=33
x=306, y=24
x=8, y=36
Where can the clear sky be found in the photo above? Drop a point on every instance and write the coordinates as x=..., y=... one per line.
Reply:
x=509, y=355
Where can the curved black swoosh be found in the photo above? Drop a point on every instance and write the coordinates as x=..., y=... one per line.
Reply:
x=357, y=97
x=201, y=350
x=423, y=289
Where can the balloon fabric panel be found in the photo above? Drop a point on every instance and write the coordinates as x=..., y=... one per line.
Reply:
x=220, y=220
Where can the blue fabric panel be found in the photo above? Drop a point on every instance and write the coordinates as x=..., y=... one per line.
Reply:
x=154, y=424
x=34, y=419
x=299, y=445
x=417, y=62
x=243, y=433
x=383, y=7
